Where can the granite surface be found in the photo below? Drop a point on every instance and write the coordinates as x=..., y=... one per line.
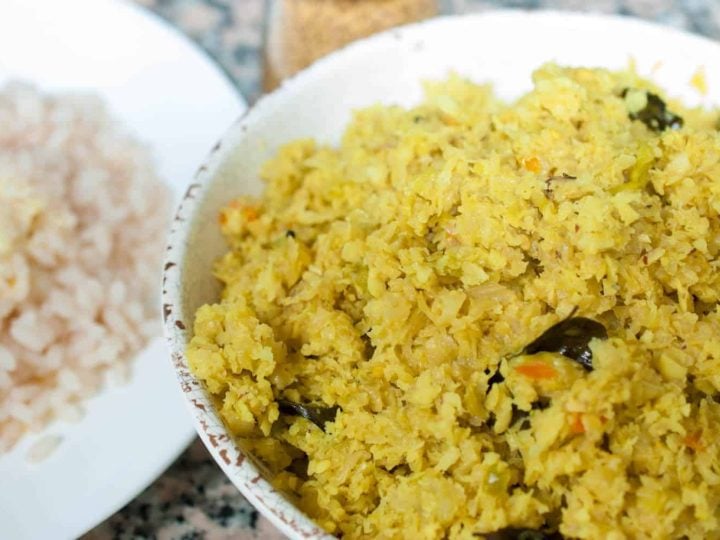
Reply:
x=193, y=500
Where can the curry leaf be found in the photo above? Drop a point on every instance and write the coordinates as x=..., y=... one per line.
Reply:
x=517, y=533
x=655, y=115
x=317, y=414
x=570, y=338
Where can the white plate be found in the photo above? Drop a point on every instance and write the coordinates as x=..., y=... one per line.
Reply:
x=175, y=99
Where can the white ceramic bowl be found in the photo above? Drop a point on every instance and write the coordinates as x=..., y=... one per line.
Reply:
x=500, y=47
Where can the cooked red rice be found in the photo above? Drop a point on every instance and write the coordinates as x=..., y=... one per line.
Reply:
x=82, y=217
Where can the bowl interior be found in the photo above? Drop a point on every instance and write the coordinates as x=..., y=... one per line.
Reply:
x=502, y=47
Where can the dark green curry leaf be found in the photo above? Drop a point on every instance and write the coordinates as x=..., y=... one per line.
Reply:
x=299, y=467
x=496, y=378
x=317, y=414
x=570, y=338
x=517, y=533
x=655, y=114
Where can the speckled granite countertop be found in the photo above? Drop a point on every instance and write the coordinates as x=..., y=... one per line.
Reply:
x=193, y=500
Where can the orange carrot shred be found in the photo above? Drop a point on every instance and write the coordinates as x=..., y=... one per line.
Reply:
x=537, y=370
x=250, y=213
x=532, y=164
x=694, y=441
x=576, y=425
